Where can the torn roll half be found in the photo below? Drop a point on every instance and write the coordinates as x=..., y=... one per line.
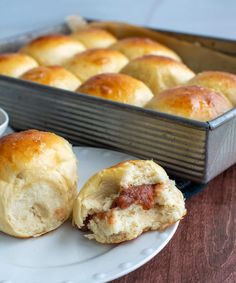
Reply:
x=121, y=202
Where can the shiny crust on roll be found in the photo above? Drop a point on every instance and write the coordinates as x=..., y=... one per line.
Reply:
x=52, y=49
x=222, y=82
x=15, y=64
x=96, y=61
x=38, y=183
x=94, y=37
x=158, y=72
x=193, y=102
x=55, y=76
x=135, y=47
x=121, y=202
x=117, y=87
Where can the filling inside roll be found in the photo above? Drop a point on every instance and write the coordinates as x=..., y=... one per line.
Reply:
x=143, y=195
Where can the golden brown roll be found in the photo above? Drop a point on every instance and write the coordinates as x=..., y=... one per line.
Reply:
x=15, y=64
x=222, y=82
x=134, y=47
x=117, y=87
x=121, y=202
x=38, y=183
x=96, y=61
x=158, y=72
x=193, y=102
x=55, y=76
x=52, y=49
x=94, y=37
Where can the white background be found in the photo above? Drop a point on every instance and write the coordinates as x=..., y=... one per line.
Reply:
x=208, y=17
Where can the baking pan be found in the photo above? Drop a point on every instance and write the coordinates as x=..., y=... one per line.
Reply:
x=197, y=151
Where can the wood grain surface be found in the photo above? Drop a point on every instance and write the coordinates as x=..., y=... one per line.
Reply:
x=204, y=246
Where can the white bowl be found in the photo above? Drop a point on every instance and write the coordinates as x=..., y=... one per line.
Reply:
x=4, y=120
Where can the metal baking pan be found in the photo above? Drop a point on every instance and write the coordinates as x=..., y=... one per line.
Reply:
x=197, y=151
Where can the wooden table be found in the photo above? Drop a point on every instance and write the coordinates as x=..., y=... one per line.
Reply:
x=204, y=246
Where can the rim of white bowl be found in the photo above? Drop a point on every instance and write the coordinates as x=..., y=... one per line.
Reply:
x=5, y=123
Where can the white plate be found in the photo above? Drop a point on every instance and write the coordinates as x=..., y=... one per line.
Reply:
x=3, y=121
x=66, y=256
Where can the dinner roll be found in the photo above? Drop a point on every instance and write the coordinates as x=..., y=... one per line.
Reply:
x=55, y=76
x=222, y=82
x=96, y=61
x=158, y=72
x=193, y=102
x=117, y=87
x=134, y=47
x=15, y=64
x=38, y=183
x=53, y=49
x=121, y=202
x=94, y=37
